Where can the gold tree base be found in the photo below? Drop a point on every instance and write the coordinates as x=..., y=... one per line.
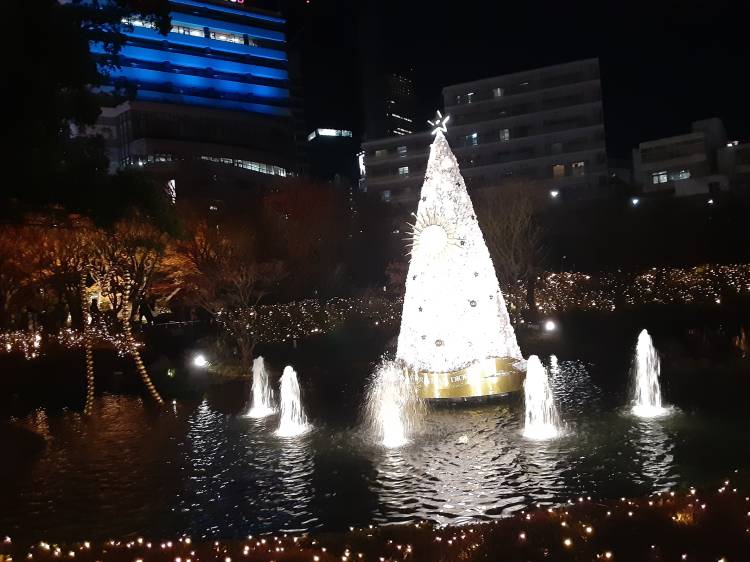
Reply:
x=489, y=377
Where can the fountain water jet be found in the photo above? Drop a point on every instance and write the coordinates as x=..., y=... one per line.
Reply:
x=646, y=368
x=262, y=404
x=542, y=421
x=393, y=406
x=554, y=366
x=293, y=421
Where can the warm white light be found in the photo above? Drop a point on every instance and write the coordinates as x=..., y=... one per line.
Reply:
x=433, y=239
x=439, y=123
x=550, y=326
x=454, y=313
x=200, y=361
x=635, y=201
x=710, y=201
x=554, y=193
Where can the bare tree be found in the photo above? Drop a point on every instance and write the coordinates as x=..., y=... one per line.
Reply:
x=216, y=269
x=507, y=216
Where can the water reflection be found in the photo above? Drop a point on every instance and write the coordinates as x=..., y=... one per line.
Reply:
x=205, y=469
x=653, y=448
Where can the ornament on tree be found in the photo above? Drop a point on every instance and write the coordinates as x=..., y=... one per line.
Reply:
x=455, y=328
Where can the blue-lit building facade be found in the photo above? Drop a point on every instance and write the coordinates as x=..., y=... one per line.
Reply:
x=216, y=91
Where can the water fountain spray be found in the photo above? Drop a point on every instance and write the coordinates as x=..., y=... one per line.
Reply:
x=542, y=421
x=293, y=421
x=262, y=404
x=646, y=369
x=393, y=405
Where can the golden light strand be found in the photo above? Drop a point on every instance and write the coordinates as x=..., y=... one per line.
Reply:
x=89, y=403
x=132, y=348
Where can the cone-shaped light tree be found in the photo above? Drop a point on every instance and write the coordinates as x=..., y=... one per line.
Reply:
x=454, y=314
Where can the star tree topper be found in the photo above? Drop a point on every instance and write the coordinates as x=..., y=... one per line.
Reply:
x=439, y=123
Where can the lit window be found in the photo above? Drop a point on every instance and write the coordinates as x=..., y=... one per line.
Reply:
x=135, y=22
x=403, y=171
x=385, y=195
x=334, y=133
x=558, y=170
x=381, y=152
x=659, y=177
x=469, y=97
x=250, y=165
x=472, y=139
x=397, y=116
x=498, y=92
x=188, y=30
x=228, y=37
x=505, y=135
x=578, y=168
x=679, y=175
x=458, y=99
x=402, y=151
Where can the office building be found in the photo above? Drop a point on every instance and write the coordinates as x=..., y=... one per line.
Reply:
x=542, y=126
x=333, y=155
x=215, y=91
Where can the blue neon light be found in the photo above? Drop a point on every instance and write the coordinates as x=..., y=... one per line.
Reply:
x=195, y=61
x=204, y=43
x=229, y=26
x=200, y=82
x=150, y=95
x=228, y=10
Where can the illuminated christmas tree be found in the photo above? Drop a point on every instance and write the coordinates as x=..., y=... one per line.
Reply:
x=455, y=328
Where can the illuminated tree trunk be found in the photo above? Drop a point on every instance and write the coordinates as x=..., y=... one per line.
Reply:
x=87, y=342
x=130, y=342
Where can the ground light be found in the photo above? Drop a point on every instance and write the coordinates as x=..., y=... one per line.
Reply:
x=200, y=361
x=550, y=326
x=685, y=525
x=635, y=201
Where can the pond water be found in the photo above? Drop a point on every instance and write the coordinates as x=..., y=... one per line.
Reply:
x=200, y=468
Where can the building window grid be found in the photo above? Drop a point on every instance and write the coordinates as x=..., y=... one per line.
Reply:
x=403, y=170
x=268, y=169
x=183, y=29
x=659, y=177
x=228, y=37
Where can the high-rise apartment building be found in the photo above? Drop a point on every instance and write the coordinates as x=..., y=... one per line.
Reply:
x=544, y=126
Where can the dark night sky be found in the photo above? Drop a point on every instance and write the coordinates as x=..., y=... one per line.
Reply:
x=664, y=63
